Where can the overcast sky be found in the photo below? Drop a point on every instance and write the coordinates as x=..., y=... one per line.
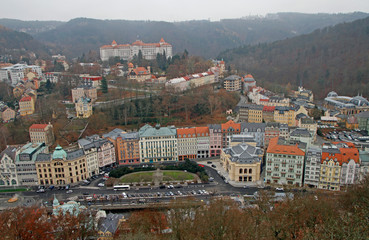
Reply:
x=168, y=10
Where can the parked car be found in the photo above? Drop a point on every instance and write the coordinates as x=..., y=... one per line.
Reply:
x=69, y=191
x=279, y=189
x=101, y=185
x=41, y=190
x=51, y=187
x=213, y=166
x=209, y=162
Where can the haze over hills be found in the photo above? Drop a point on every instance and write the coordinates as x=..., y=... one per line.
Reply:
x=202, y=38
x=334, y=58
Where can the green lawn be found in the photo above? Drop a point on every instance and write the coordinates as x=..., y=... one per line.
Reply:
x=137, y=177
x=177, y=176
x=13, y=190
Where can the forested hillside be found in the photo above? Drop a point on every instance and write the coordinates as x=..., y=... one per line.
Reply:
x=333, y=58
x=30, y=27
x=19, y=44
x=200, y=38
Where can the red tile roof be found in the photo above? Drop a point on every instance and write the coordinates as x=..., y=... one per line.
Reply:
x=200, y=130
x=185, y=131
x=229, y=124
x=268, y=108
x=25, y=99
x=38, y=126
x=274, y=147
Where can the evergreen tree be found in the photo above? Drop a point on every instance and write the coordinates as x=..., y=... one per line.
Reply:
x=104, y=85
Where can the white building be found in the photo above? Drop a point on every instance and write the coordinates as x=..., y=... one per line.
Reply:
x=14, y=74
x=128, y=51
x=91, y=159
x=8, y=171
x=187, y=143
x=312, y=166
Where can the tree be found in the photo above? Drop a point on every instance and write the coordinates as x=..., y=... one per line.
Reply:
x=104, y=85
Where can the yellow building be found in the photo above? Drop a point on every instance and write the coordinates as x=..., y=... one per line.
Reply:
x=26, y=106
x=255, y=114
x=83, y=107
x=242, y=162
x=61, y=168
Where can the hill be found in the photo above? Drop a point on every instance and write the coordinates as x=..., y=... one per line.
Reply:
x=202, y=38
x=19, y=44
x=333, y=58
x=30, y=27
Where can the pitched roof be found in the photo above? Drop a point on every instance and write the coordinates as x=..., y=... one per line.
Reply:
x=185, y=132
x=231, y=124
x=38, y=126
x=200, y=130
x=149, y=131
x=25, y=99
x=275, y=147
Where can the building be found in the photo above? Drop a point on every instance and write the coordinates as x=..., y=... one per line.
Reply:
x=215, y=139
x=26, y=106
x=149, y=51
x=257, y=130
x=255, y=113
x=242, y=162
x=364, y=164
x=92, y=160
x=310, y=125
x=84, y=91
x=158, y=144
x=8, y=171
x=363, y=120
x=312, y=167
x=285, y=115
x=301, y=135
x=346, y=105
x=25, y=163
x=61, y=167
x=139, y=74
x=187, y=143
x=42, y=133
x=228, y=129
x=350, y=169
x=285, y=162
x=232, y=83
x=330, y=170
x=190, y=81
x=91, y=81
x=304, y=93
x=248, y=83
x=6, y=113
x=83, y=107
x=127, y=148
x=268, y=113
x=105, y=149
x=271, y=131
x=243, y=109
x=16, y=73
x=242, y=138
x=202, y=142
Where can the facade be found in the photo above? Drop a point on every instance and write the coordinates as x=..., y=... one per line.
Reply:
x=42, y=133
x=243, y=109
x=257, y=130
x=350, y=169
x=268, y=113
x=232, y=83
x=285, y=115
x=84, y=91
x=128, y=51
x=215, y=139
x=158, y=144
x=312, y=167
x=15, y=73
x=83, y=107
x=228, y=129
x=6, y=114
x=242, y=162
x=346, y=105
x=330, y=170
x=255, y=113
x=364, y=164
x=128, y=148
x=202, y=142
x=25, y=163
x=91, y=81
x=271, y=131
x=310, y=125
x=284, y=162
x=26, y=106
x=105, y=149
x=8, y=171
x=60, y=167
x=92, y=160
x=248, y=82
x=187, y=143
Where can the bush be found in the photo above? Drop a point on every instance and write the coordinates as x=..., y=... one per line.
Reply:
x=121, y=171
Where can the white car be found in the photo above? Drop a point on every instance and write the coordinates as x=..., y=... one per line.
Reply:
x=279, y=189
x=101, y=185
x=69, y=191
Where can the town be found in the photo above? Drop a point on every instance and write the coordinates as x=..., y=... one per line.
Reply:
x=255, y=139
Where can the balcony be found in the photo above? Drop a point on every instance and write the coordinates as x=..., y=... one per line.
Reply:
x=275, y=177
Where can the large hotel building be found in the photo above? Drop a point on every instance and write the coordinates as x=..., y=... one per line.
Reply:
x=127, y=51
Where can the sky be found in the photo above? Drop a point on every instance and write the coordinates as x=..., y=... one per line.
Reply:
x=169, y=10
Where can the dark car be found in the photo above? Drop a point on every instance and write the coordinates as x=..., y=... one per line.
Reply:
x=213, y=166
x=209, y=162
x=85, y=193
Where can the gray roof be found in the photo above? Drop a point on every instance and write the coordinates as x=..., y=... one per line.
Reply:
x=149, y=131
x=43, y=157
x=233, y=78
x=256, y=107
x=301, y=115
x=75, y=154
x=114, y=133
x=252, y=127
x=363, y=114
x=243, y=153
x=10, y=151
x=300, y=132
x=95, y=144
x=242, y=138
x=364, y=157
x=215, y=126
x=110, y=223
x=307, y=121
x=272, y=124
